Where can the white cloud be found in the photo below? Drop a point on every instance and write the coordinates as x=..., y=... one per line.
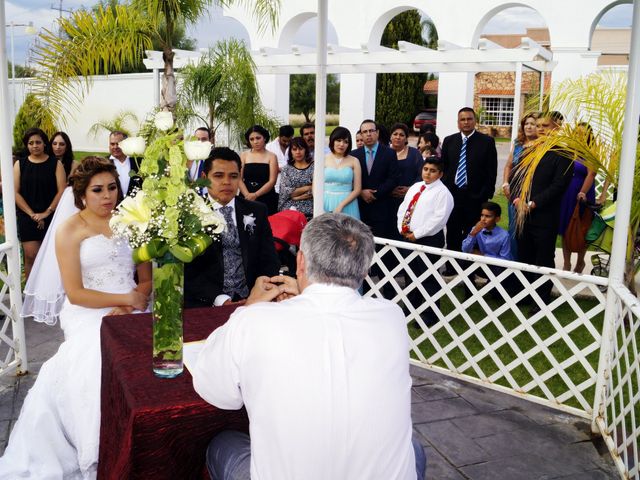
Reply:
x=514, y=20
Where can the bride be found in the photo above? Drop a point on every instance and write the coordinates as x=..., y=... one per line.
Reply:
x=57, y=433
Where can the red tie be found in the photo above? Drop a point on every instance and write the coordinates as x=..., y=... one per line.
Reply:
x=406, y=221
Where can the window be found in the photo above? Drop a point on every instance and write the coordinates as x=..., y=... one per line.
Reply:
x=497, y=111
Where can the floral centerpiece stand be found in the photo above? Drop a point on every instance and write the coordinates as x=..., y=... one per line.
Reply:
x=169, y=223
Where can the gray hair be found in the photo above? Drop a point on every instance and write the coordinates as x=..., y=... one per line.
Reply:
x=337, y=250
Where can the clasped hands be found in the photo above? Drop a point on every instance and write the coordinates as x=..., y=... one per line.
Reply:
x=268, y=289
x=137, y=301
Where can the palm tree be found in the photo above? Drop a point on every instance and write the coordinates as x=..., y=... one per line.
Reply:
x=115, y=37
x=223, y=85
x=599, y=101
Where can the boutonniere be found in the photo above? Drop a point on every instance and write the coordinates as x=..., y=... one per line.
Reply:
x=249, y=222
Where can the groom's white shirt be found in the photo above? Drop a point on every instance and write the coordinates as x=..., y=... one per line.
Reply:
x=325, y=379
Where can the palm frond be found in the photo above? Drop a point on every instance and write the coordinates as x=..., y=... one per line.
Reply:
x=90, y=44
x=124, y=121
x=266, y=13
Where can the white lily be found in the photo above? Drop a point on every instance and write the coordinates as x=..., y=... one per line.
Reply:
x=133, y=146
x=197, y=150
x=132, y=211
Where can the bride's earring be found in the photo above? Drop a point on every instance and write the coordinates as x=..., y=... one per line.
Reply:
x=84, y=202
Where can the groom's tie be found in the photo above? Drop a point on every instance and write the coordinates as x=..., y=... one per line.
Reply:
x=234, y=281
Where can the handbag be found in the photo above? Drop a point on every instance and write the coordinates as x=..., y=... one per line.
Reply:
x=574, y=235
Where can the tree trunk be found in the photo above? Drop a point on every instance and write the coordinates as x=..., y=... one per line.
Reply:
x=168, y=97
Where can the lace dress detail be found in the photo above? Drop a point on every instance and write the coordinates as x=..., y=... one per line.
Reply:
x=106, y=264
x=58, y=431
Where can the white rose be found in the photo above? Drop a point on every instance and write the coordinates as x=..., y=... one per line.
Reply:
x=133, y=146
x=163, y=120
x=197, y=150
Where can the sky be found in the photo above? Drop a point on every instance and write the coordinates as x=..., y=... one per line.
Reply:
x=43, y=14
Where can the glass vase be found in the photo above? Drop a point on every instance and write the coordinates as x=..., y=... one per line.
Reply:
x=168, y=284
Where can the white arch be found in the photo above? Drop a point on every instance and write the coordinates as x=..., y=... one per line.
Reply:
x=383, y=19
x=602, y=12
x=482, y=23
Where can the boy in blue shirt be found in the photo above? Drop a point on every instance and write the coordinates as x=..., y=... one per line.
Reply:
x=487, y=238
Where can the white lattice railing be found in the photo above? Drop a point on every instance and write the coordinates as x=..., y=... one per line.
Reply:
x=487, y=334
x=618, y=418
x=9, y=343
x=599, y=182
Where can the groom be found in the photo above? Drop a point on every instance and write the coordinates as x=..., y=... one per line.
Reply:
x=228, y=269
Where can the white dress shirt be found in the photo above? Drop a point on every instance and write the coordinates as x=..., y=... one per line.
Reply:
x=325, y=380
x=282, y=157
x=123, y=168
x=432, y=210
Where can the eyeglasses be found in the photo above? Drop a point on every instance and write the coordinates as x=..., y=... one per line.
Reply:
x=373, y=130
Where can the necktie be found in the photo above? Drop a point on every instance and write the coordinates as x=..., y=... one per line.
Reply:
x=461, y=171
x=369, y=159
x=234, y=281
x=406, y=220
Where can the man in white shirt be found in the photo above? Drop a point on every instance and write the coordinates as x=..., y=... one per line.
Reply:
x=280, y=148
x=422, y=216
x=123, y=164
x=324, y=375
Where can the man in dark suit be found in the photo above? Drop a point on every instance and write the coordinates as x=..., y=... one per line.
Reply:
x=551, y=177
x=228, y=269
x=124, y=165
x=380, y=174
x=470, y=168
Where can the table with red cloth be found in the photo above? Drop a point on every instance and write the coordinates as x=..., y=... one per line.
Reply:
x=155, y=428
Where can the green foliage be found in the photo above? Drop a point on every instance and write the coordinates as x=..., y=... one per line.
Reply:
x=399, y=95
x=31, y=114
x=302, y=94
x=168, y=280
x=223, y=85
x=21, y=71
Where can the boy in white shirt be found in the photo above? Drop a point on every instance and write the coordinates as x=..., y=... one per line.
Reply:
x=422, y=216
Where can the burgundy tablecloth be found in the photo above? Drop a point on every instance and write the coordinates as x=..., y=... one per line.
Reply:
x=154, y=428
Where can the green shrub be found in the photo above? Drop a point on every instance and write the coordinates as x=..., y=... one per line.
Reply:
x=31, y=114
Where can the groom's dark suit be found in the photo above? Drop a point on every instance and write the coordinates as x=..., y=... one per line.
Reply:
x=204, y=277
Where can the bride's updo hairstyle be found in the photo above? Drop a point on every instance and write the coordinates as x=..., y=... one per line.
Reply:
x=81, y=177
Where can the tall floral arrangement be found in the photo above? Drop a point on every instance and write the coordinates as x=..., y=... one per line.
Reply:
x=167, y=214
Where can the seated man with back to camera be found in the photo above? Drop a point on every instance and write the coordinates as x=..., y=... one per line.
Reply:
x=228, y=268
x=323, y=402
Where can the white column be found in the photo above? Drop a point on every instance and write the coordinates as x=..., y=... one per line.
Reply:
x=274, y=93
x=357, y=99
x=517, y=96
x=455, y=90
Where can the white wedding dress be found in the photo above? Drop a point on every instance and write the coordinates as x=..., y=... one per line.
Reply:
x=57, y=433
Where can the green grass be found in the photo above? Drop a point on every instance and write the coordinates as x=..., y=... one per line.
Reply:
x=79, y=155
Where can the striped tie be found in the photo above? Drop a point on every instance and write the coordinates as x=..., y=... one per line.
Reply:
x=461, y=171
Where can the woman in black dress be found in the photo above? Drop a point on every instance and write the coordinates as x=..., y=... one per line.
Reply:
x=259, y=170
x=39, y=181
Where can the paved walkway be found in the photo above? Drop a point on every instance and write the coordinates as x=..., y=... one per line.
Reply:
x=469, y=432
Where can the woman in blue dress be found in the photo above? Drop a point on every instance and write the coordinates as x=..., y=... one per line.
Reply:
x=342, y=176
x=526, y=136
